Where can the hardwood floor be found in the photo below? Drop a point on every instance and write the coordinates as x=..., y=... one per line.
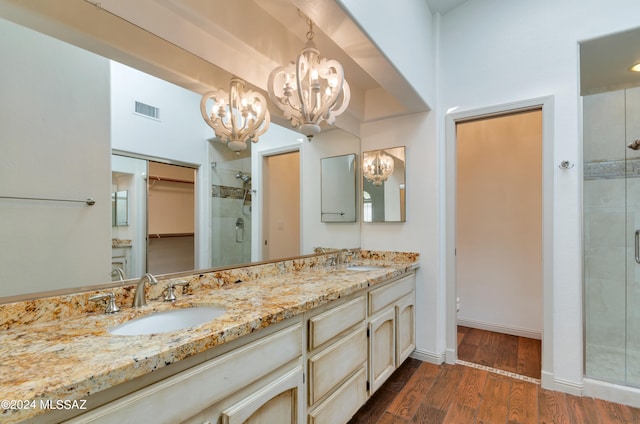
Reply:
x=515, y=354
x=419, y=392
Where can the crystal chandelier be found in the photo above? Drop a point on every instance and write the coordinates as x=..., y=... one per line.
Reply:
x=236, y=116
x=377, y=166
x=311, y=90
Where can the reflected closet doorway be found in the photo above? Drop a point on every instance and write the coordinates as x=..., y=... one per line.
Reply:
x=170, y=218
x=156, y=232
x=499, y=247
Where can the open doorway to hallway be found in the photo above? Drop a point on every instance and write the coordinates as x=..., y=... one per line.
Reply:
x=499, y=270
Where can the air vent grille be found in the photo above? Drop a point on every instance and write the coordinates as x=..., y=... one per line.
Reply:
x=147, y=110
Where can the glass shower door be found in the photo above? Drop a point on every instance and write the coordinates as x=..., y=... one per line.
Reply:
x=611, y=224
x=632, y=310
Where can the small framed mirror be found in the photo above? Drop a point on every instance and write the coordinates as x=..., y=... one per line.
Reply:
x=338, y=188
x=120, y=208
x=384, y=185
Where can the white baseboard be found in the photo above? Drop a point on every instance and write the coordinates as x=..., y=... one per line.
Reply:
x=499, y=328
x=450, y=356
x=566, y=386
x=547, y=381
x=612, y=392
x=426, y=356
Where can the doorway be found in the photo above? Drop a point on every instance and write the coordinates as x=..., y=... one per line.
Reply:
x=170, y=218
x=499, y=237
x=281, y=205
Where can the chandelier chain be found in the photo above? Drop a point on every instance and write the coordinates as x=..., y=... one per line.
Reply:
x=310, y=32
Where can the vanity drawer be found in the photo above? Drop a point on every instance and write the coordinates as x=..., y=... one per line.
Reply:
x=336, y=363
x=331, y=323
x=344, y=402
x=389, y=293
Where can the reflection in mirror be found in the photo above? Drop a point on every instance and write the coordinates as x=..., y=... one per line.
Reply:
x=120, y=206
x=383, y=185
x=338, y=183
x=128, y=243
x=231, y=206
x=79, y=136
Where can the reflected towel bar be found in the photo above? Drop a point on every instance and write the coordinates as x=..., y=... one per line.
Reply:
x=90, y=201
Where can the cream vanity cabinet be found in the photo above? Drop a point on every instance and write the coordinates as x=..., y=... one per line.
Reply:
x=391, y=327
x=261, y=381
x=337, y=361
x=352, y=348
x=317, y=368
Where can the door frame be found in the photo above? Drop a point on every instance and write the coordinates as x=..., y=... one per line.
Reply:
x=451, y=119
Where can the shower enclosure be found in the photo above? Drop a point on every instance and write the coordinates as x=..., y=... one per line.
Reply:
x=611, y=236
x=231, y=212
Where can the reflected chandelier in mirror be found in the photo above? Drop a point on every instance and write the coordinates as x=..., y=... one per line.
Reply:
x=384, y=185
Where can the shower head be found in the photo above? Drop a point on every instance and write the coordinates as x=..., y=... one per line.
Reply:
x=244, y=177
x=634, y=145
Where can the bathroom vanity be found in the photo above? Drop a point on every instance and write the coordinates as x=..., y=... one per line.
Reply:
x=300, y=341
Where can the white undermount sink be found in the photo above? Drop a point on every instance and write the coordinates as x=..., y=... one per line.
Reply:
x=364, y=267
x=168, y=321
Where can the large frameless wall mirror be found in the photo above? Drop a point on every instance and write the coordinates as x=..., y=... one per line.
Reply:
x=338, y=188
x=112, y=138
x=384, y=185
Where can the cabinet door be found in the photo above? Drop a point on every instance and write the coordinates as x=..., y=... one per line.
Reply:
x=406, y=328
x=277, y=402
x=382, y=347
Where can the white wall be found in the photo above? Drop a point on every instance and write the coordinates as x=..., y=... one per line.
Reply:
x=497, y=51
x=53, y=152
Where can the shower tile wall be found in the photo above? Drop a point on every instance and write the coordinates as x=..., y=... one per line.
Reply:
x=611, y=216
x=227, y=193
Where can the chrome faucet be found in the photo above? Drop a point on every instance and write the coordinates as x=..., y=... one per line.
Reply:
x=139, y=300
x=343, y=255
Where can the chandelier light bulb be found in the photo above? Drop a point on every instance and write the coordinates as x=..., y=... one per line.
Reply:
x=236, y=116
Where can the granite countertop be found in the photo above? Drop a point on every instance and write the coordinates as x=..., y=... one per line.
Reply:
x=74, y=356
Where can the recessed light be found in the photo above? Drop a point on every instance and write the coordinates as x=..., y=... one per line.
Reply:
x=636, y=67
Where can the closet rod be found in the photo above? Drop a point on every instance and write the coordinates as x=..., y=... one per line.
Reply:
x=171, y=180
x=88, y=201
x=167, y=235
